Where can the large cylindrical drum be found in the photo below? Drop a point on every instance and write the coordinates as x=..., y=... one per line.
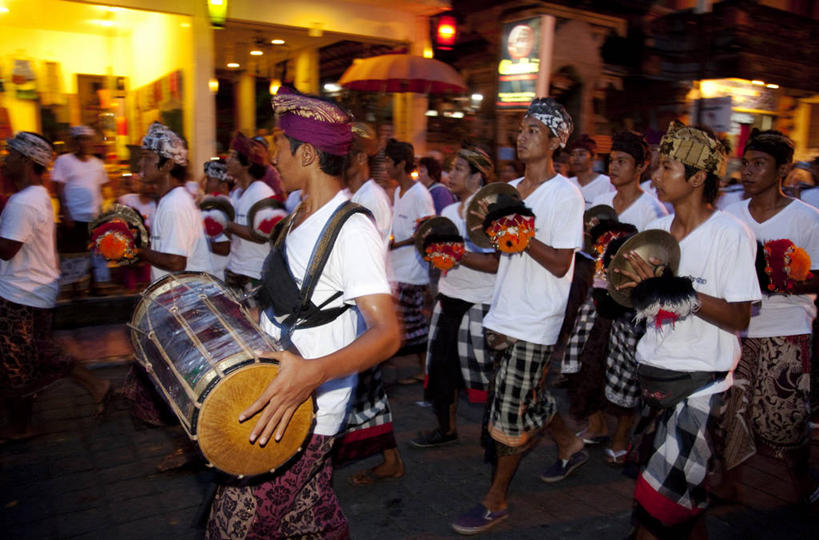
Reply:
x=199, y=345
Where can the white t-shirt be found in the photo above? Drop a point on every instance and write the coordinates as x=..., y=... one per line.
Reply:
x=810, y=196
x=595, y=188
x=729, y=195
x=146, y=210
x=356, y=267
x=719, y=255
x=373, y=197
x=639, y=213
x=82, y=180
x=462, y=282
x=31, y=277
x=178, y=230
x=406, y=263
x=529, y=302
x=784, y=314
x=247, y=257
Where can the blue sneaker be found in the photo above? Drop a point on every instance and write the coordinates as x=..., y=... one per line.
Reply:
x=562, y=468
x=478, y=519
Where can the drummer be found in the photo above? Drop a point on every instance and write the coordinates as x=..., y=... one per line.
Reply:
x=247, y=252
x=693, y=334
x=457, y=356
x=177, y=237
x=528, y=305
x=300, y=502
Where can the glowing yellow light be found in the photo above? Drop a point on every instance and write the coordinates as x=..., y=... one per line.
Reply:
x=185, y=25
x=771, y=85
x=216, y=2
x=758, y=83
x=233, y=65
x=277, y=41
x=275, y=84
x=4, y=9
x=102, y=22
x=256, y=52
x=414, y=175
x=213, y=85
x=446, y=30
x=428, y=53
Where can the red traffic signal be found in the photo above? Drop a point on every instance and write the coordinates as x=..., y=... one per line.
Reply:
x=445, y=32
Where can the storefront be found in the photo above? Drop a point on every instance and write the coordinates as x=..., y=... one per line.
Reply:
x=118, y=67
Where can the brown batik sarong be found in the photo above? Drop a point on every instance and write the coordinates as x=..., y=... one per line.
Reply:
x=30, y=358
x=297, y=503
x=768, y=405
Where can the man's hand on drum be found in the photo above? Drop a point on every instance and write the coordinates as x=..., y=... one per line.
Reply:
x=296, y=380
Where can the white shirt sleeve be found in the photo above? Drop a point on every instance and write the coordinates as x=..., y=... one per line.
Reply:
x=564, y=225
x=359, y=252
x=737, y=278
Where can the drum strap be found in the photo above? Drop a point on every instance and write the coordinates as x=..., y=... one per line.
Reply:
x=283, y=295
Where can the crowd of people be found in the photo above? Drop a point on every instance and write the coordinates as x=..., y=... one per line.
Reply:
x=701, y=367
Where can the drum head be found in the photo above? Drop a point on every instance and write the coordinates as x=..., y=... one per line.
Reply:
x=226, y=443
x=651, y=243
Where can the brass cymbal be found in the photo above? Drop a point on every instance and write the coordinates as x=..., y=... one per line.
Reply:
x=479, y=207
x=220, y=202
x=651, y=243
x=435, y=225
x=129, y=216
x=262, y=206
x=599, y=212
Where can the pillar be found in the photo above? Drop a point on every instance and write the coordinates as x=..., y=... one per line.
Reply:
x=307, y=71
x=201, y=122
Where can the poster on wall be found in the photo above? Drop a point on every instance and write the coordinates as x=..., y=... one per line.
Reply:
x=22, y=75
x=523, y=71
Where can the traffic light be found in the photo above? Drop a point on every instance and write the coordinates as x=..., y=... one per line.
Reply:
x=446, y=30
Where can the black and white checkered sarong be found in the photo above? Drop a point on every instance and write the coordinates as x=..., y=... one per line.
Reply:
x=671, y=486
x=583, y=325
x=475, y=360
x=521, y=404
x=369, y=405
x=622, y=387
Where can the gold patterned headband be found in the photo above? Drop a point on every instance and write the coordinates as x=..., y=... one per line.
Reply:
x=693, y=147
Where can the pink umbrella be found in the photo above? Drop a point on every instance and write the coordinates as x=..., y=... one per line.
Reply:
x=402, y=73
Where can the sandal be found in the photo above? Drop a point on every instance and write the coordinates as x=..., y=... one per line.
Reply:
x=591, y=440
x=615, y=459
x=368, y=477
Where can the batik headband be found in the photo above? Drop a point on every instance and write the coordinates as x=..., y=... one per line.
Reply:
x=81, y=131
x=166, y=143
x=772, y=142
x=693, y=147
x=32, y=146
x=320, y=123
x=479, y=159
x=216, y=169
x=554, y=116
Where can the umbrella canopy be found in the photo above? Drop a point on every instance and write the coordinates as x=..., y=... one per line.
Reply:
x=402, y=73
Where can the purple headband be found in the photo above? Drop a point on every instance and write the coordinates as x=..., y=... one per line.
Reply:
x=320, y=123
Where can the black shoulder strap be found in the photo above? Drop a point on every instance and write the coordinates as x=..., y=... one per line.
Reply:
x=321, y=252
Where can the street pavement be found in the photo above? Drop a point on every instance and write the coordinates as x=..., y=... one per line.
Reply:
x=89, y=477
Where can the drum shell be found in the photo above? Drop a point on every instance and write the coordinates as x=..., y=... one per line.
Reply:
x=192, y=335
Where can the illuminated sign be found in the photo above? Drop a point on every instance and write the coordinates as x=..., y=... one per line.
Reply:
x=525, y=60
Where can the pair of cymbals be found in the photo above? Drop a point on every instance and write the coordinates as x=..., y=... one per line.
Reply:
x=437, y=226
x=651, y=244
x=127, y=214
x=479, y=207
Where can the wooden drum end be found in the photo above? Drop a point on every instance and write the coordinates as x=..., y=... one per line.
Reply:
x=226, y=443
